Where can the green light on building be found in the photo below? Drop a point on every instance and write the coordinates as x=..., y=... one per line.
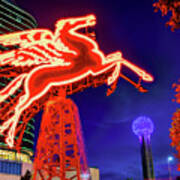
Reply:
x=12, y=19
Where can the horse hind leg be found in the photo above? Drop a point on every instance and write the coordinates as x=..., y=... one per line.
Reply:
x=23, y=103
x=32, y=93
x=10, y=138
x=12, y=122
x=10, y=89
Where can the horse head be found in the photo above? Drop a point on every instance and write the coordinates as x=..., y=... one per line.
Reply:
x=74, y=24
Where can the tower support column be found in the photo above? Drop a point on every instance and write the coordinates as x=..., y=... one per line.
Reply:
x=146, y=156
x=60, y=149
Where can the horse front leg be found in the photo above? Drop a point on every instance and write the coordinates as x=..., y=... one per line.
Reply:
x=117, y=57
x=115, y=74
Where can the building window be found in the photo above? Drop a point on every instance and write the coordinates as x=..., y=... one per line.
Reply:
x=10, y=167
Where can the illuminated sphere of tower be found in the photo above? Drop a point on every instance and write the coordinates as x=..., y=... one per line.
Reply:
x=142, y=126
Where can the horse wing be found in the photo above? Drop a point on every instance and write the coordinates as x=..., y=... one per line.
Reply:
x=26, y=38
x=35, y=55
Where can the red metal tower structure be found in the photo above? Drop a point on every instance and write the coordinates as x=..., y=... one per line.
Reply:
x=62, y=142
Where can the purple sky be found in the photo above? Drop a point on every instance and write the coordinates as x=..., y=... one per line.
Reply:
x=133, y=28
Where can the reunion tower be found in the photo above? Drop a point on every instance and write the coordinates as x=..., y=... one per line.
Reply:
x=143, y=127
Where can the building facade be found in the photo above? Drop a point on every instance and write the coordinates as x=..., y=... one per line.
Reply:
x=94, y=172
x=13, y=164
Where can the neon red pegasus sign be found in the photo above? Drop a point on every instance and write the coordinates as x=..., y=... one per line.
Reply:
x=58, y=59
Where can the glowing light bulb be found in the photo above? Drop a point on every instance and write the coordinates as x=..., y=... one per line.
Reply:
x=170, y=158
x=143, y=126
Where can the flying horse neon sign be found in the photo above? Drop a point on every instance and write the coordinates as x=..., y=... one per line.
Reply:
x=57, y=59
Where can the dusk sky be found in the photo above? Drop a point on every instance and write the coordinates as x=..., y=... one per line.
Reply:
x=133, y=28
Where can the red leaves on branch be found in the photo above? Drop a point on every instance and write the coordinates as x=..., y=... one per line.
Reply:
x=173, y=6
x=175, y=129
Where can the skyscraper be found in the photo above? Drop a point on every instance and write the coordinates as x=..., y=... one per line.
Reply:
x=13, y=19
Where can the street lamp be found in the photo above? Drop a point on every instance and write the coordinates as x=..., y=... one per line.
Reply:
x=169, y=160
x=143, y=127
